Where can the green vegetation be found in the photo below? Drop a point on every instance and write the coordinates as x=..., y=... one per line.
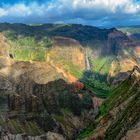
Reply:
x=70, y=101
x=27, y=48
x=96, y=80
x=127, y=119
x=99, y=92
x=27, y=54
x=15, y=125
x=33, y=129
x=86, y=131
x=118, y=95
x=74, y=70
x=102, y=65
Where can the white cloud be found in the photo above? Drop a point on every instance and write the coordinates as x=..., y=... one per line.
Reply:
x=2, y=12
x=109, y=5
x=19, y=10
x=15, y=10
x=72, y=10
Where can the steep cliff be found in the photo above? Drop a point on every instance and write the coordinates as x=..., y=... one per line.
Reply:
x=34, y=109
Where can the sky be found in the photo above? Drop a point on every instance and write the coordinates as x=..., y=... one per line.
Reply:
x=101, y=13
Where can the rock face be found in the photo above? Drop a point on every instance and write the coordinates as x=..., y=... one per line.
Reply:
x=54, y=106
x=33, y=104
x=115, y=40
x=67, y=55
x=3, y=45
x=133, y=134
x=47, y=136
x=54, y=136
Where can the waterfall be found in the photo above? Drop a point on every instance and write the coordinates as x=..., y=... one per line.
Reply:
x=88, y=67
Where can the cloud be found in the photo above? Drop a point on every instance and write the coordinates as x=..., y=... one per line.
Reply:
x=93, y=12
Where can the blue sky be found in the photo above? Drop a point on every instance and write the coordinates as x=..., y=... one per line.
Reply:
x=105, y=13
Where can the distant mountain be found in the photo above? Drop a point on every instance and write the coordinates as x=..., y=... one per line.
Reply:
x=76, y=31
x=133, y=31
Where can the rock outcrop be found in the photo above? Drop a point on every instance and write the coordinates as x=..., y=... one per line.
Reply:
x=47, y=136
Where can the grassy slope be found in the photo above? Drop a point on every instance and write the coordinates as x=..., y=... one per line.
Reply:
x=119, y=95
x=97, y=82
x=27, y=48
x=125, y=119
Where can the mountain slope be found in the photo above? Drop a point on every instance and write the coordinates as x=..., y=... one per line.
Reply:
x=50, y=74
x=120, y=111
x=132, y=31
x=70, y=47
